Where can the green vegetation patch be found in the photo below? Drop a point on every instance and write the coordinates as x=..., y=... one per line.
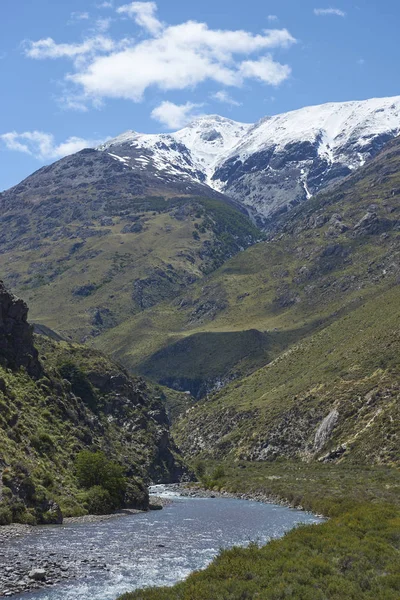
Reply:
x=334, y=396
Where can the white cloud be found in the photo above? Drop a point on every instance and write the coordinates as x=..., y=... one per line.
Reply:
x=326, y=12
x=265, y=69
x=43, y=146
x=184, y=56
x=48, y=48
x=104, y=5
x=102, y=25
x=174, y=116
x=223, y=96
x=170, y=58
x=79, y=16
x=272, y=18
x=143, y=14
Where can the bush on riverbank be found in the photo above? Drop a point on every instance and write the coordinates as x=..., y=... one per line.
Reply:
x=107, y=486
x=5, y=514
x=104, y=480
x=98, y=501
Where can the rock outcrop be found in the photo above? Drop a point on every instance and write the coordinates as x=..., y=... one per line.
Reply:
x=16, y=335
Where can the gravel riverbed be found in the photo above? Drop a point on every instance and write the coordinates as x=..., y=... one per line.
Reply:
x=22, y=571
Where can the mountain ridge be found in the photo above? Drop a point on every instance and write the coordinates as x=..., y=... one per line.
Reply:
x=311, y=147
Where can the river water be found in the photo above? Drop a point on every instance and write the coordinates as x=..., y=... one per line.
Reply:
x=154, y=548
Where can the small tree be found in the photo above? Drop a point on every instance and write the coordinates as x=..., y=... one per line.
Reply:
x=93, y=469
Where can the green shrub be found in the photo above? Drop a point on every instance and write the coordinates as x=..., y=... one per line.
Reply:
x=71, y=507
x=28, y=490
x=46, y=414
x=200, y=469
x=47, y=480
x=27, y=518
x=5, y=515
x=136, y=494
x=6, y=477
x=99, y=501
x=218, y=472
x=18, y=510
x=7, y=493
x=93, y=469
x=80, y=384
x=43, y=443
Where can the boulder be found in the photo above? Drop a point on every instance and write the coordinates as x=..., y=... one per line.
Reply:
x=37, y=574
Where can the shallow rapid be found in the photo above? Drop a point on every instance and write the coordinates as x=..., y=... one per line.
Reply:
x=154, y=548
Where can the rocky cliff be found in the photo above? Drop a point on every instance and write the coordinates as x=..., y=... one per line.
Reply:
x=16, y=335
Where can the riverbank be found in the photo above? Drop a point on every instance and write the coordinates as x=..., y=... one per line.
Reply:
x=355, y=555
x=22, y=572
x=197, y=490
x=325, y=489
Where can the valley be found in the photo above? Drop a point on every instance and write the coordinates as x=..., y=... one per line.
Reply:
x=218, y=304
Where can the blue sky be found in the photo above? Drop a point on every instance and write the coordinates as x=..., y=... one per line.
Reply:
x=76, y=72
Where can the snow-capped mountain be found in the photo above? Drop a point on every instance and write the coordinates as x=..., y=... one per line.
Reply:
x=271, y=165
x=192, y=153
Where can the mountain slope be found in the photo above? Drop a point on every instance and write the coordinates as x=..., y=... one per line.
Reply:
x=99, y=258
x=334, y=396
x=285, y=159
x=105, y=234
x=326, y=258
x=190, y=154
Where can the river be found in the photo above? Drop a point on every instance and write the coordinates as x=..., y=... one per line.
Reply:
x=154, y=548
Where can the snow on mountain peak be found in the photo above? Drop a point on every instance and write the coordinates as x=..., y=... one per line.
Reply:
x=210, y=138
x=280, y=160
x=333, y=123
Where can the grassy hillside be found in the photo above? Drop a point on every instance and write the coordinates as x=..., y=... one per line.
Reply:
x=334, y=395
x=99, y=267
x=82, y=401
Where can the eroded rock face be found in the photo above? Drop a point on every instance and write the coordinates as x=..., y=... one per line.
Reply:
x=16, y=335
x=325, y=429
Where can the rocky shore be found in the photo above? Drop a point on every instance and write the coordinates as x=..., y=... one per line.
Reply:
x=22, y=571
x=195, y=490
